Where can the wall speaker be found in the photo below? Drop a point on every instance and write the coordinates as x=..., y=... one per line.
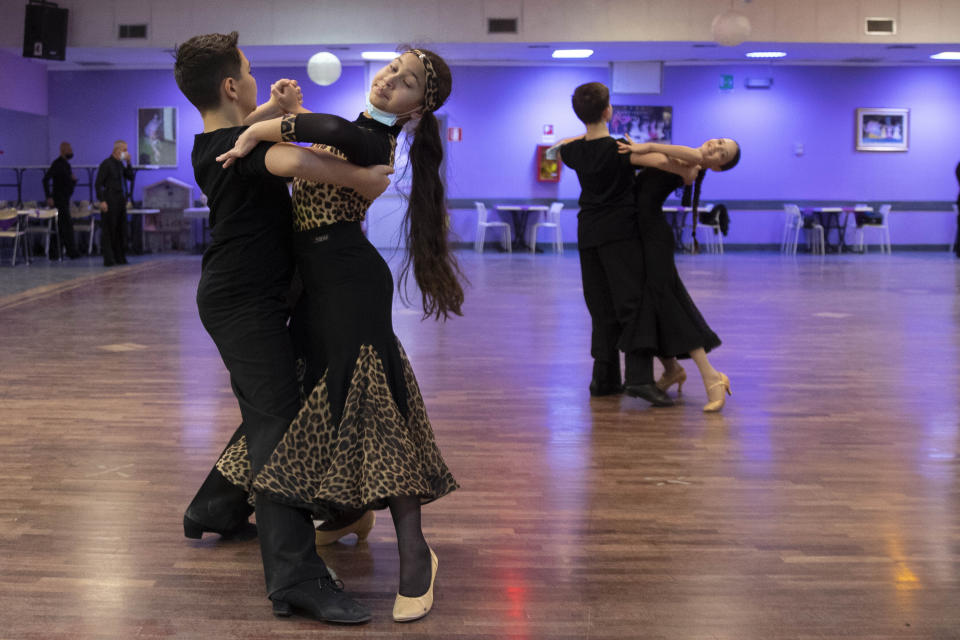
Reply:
x=45, y=31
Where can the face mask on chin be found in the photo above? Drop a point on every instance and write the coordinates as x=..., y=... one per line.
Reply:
x=69, y=156
x=385, y=117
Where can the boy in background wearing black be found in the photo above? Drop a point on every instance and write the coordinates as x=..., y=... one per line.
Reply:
x=611, y=256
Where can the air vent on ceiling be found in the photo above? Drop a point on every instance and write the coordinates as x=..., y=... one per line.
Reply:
x=705, y=45
x=539, y=46
x=861, y=60
x=901, y=46
x=132, y=31
x=93, y=63
x=881, y=26
x=501, y=25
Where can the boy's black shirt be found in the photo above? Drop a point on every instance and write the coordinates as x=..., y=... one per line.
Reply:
x=251, y=220
x=607, y=209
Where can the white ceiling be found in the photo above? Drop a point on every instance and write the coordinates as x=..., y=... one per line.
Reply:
x=536, y=53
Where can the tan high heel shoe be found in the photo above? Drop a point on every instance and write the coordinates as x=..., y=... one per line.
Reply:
x=406, y=609
x=676, y=378
x=716, y=405
x=361, y=527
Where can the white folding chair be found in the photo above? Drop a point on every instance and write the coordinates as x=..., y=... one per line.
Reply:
x=483, y=225
x=46, y=225
x=713, y=241
x=551, y=220
x=882, y=226
x=14, y=232
x=84, y=221
x=792, y=225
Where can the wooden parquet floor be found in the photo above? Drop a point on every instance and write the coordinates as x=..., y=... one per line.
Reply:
x=822, y=503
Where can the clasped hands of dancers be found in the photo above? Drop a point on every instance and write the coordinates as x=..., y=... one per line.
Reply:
x=333, y=422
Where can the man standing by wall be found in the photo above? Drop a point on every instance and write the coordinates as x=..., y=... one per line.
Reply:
x=58, y=195
x=112, y=179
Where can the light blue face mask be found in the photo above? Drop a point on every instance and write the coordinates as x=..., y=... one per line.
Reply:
x=385, y=117
x=381, y=116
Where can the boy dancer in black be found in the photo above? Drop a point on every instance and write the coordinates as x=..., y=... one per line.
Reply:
x=611, y=257
x=245, y=276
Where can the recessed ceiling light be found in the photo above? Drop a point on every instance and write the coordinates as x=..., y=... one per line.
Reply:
x=572, y=53
x=946, y=55
x=378, y=55
x=767, y=54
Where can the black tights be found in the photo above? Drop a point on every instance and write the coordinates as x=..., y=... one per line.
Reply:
x=415, y=567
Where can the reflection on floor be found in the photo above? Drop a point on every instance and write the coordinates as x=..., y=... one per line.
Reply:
x=822, y=503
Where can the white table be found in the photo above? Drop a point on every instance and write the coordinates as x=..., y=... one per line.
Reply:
x=520, y=214
x=143, y=232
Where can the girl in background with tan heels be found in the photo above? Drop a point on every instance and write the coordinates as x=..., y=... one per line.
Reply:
x=668, y=321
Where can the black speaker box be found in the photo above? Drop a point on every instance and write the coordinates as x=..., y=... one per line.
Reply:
x=45, y=31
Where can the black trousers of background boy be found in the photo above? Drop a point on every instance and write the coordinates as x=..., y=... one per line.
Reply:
x=613, y=276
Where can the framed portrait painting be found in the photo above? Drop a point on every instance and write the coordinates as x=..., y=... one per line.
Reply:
x=883, y=129
x=157, y=137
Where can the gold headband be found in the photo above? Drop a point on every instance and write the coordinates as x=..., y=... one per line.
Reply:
x=431, y=93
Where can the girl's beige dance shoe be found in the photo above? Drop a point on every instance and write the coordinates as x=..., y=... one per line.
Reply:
x=407, y=609
x=716, y=405
x=678, y=377
x=361, y=527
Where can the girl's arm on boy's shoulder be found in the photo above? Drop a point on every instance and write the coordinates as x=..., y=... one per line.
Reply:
x=665, y=163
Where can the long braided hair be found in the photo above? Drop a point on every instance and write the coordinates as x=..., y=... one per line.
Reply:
x=691, y=194
x=691, y=199
x=429, y=257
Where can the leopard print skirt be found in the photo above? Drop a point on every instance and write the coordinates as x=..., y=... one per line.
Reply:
x=362, y=435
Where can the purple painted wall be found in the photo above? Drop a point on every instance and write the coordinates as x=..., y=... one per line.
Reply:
x=23, y=121
x=23, y=84
x=23, y=140
x=502, y=109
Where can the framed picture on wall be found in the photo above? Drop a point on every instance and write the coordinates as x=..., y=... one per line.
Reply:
x=642, y=124
x=157, y=137
x=883, y=129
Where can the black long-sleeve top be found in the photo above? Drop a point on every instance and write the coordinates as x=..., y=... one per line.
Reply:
x=110, y=183
x=61, y=175
x=363, y=142
x=607, y=209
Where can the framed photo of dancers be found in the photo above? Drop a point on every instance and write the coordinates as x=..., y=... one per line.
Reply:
x=157, y=136
x=643, y=124
x=883, y=129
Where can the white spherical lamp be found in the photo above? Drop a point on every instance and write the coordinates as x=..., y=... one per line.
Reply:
x=730, y=28
x=324, y=68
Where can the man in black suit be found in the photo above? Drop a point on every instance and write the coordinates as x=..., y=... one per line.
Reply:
x=58, y=195
x=112, y=178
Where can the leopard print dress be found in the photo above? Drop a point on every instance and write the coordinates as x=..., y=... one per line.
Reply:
x=362, y=435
